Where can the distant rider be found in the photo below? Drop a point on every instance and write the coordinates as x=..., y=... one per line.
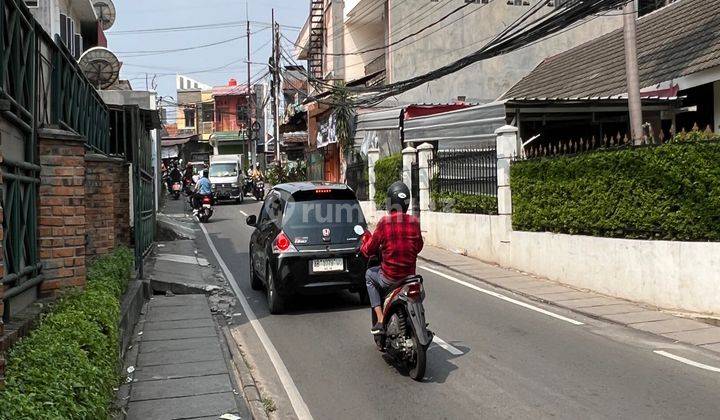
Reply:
x=174, y=176
x=398, y=239
x=203, y=188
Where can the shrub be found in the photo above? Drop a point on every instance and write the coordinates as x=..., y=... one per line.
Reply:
x=291, y=172
x=67, y=367
x=464, y=203
x=667, y=192
x=387, y=171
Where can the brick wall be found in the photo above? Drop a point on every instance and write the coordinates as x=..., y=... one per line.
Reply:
x=122, y=206
x=62, y=210
x=106, y=202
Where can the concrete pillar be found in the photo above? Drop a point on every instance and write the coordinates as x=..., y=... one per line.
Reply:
x=409, y=156
x=425, y=152
x=507, y=149
x=717, y=107
x=373, y=156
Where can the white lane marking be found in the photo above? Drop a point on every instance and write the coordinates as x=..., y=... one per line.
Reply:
x=502, y=297
x=186, y=259
x=449, y=347
x=243, y=213
x=301, y=409
x=687, y=361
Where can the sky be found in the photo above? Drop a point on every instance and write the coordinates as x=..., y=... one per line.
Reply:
x=138, y=52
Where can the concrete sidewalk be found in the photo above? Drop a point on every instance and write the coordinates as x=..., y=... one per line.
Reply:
x=590, y=304
x=179, y=366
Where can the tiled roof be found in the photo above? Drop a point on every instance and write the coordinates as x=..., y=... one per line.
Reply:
x=673, y=42
x=229, y=90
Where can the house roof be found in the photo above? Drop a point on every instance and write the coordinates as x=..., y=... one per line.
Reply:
x=236, y=90
x=177, y=140
x=673, y=42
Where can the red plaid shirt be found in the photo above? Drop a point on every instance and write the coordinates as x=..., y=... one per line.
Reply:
x=398, y=238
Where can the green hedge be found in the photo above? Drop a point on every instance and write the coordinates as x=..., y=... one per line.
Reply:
x=68, y=366
x=387, y=171
x=667, y=192
x=464, y=203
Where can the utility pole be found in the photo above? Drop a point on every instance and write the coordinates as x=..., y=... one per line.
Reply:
x=275, y=62
x=250, y=136
x=632, y=72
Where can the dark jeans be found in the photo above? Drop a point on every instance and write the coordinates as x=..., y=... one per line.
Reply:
x=377, y=284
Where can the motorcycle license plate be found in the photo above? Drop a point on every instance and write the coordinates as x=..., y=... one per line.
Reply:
x=176, y=187
x=328, y=265
x=207, y=206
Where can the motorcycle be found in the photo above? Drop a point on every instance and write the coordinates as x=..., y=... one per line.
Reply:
x=258, y=190
x=189, y=187
x=205, y=211
x=247, y=187
x=176, y=187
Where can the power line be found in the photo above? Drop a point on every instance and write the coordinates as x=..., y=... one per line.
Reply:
x=221, y=25
x=167, y=51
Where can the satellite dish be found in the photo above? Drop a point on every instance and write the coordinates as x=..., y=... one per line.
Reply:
x=101, y=67
x=105, y=11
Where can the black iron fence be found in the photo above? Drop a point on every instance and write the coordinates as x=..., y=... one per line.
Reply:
x=356, y=176
x=465, y=171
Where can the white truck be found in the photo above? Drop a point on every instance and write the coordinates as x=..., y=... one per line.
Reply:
x=227, y=177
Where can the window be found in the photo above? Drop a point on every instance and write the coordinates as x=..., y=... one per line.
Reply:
x=208, y=112
x=242, y=114
x=189, y=117
x=64, y=35
x=78, y=46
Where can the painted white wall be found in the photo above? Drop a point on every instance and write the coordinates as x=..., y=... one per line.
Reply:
x=481, y=82
x=672, y=275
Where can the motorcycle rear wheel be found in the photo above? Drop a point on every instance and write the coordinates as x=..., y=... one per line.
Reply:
x=416, y=368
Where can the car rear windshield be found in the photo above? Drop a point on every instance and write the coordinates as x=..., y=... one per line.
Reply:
x=316, y=219
x=223, y=169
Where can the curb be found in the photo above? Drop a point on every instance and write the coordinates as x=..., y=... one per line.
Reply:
x=555, y=304
x=180, y=288
x=245, y=378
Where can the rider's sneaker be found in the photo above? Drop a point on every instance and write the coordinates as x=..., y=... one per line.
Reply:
x=377, y=329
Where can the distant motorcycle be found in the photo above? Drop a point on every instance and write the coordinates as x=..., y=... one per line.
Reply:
x=205, y=210
x=247, y=187
x=175, y=190
x=258, y=190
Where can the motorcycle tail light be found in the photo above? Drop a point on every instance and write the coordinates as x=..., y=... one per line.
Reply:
x=282, y=244
x=414, y=290
x=206, y=200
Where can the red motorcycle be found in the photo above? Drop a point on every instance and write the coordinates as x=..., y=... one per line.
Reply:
x=407, y=336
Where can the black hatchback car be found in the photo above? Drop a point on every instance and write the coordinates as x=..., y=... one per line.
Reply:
x=305, y=242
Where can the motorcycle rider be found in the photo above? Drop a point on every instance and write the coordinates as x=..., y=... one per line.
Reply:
x=398, y=239
x=174, y=176
x=257, y=174
x=202, y=189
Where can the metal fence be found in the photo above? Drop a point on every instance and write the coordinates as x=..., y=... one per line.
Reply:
x=466, y=171
x=356, y=177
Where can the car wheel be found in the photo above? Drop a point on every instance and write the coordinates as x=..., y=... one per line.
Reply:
x=275, y=301
x=255, y=283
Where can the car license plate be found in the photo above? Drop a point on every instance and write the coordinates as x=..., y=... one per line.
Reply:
x=207, y=206
x=327, y=265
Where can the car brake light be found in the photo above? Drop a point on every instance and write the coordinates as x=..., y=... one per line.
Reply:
x=282, y=244
x=414, y=290
x=322, y=191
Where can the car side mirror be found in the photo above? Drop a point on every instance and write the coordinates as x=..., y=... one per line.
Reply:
x=251, y=220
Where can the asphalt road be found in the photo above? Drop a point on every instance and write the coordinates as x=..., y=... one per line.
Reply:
x=506, y=361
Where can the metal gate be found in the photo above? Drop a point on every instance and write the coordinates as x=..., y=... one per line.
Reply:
x=415, y=189
x=357, y=178
x=19, y=168
x=143, y=187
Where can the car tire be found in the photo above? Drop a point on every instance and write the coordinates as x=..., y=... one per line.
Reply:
x=276, y=302
x=255, y=283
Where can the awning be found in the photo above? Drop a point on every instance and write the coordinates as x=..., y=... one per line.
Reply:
x=228, y=137
x=176, y=140
x=381, y=128
x=468, y=127
x=169, y=152
x=424, y=110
